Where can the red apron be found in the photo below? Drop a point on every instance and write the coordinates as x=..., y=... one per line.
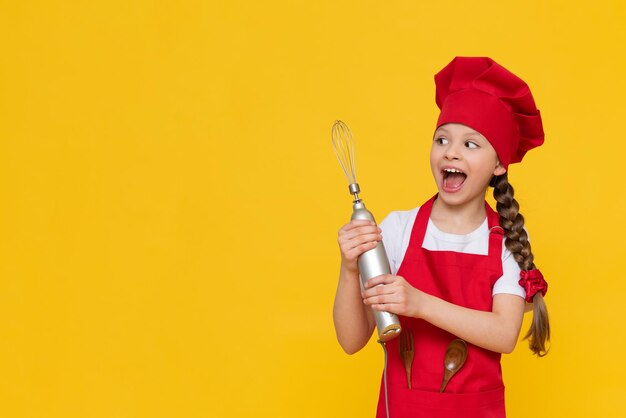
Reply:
x=476, y=391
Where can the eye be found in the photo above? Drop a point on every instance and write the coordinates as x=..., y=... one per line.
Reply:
x=441, y=140
x=471, y=145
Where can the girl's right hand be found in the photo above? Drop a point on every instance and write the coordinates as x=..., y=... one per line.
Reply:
x=356, y=237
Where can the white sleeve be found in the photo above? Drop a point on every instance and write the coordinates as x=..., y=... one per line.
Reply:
x=392, y=231
x=509, y=282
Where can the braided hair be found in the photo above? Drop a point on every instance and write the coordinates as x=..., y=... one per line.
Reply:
x=517, y=243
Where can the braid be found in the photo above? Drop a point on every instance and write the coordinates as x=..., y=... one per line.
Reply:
x=517, y=243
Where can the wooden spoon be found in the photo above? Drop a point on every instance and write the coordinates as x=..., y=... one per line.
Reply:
x=456, y=353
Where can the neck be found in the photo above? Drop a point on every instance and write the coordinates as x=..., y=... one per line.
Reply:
x=458, y=219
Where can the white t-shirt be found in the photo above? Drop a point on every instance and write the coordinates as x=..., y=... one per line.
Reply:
x=397, y=227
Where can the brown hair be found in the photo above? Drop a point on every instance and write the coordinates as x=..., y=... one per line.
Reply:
x=517, y=242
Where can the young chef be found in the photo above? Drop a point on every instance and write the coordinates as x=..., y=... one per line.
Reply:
x=460, y=269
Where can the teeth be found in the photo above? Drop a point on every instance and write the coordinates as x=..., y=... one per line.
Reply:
x=452, y=170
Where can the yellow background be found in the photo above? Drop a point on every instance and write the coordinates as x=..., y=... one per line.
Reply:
x=170, y=197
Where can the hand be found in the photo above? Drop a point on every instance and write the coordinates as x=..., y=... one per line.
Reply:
x=395, y=295
x=356, y=237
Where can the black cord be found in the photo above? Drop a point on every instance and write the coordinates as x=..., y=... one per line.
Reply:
x=382, y=343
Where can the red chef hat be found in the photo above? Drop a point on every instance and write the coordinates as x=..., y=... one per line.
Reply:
x=480, y=93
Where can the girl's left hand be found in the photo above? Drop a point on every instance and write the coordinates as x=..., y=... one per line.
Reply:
x=395, y=295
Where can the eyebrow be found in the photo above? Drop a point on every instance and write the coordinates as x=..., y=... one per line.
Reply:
x=475, y=135
x=465, y=135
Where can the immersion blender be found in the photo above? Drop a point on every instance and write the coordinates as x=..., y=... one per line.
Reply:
x=373, y=262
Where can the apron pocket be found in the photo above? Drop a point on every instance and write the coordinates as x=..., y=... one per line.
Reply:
x=417, y=403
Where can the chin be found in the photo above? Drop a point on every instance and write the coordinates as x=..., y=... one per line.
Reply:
x=460, y=198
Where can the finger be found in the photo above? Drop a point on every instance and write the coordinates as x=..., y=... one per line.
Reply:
x=360, y=240
x=376, y=300
x=382, y=279
x=386, y=307
x=381, y=300
x=360, y=231
x=349, y=244
x=378, y=290
x=367, y=228
x=360, y=249
x=355, y=223
x=370, y=231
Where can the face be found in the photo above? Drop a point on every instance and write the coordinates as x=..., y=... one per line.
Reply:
x=462, y=162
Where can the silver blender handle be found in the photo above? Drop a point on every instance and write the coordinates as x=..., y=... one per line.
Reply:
x=373, y=263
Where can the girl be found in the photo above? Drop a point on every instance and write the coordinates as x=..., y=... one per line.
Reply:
x=460, y=269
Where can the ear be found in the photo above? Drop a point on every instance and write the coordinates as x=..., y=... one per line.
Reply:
x=499, y=170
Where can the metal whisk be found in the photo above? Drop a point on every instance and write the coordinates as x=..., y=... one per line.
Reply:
x=373, y=262
x=344, y=149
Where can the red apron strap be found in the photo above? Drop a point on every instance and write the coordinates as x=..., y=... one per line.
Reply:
x=421, y=223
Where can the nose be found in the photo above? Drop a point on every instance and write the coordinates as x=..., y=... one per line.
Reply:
x=452, y=151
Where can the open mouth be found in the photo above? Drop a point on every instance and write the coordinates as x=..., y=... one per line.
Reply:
x=453, y=179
